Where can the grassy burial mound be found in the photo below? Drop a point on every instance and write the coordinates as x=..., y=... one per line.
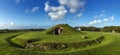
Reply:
x=61, y=29
x=60, y=37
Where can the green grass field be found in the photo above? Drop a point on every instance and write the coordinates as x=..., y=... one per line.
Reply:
x=9, y=45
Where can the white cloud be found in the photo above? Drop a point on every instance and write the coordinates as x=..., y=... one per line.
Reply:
x=99, y=16
x=47, y=7
x=34, y=9
x=74, y=5
x=99, y=21
x=56, y=13
x=73, y=10
x=94, y=22
x=96, y=16
x=103, y=11
x=79, y=15
x=105, y=20
x=59, y=12
x=12, y=23
x=18, y=1
x=112, y=18
x=1, y=25
x=102, y=15
x=7, y=25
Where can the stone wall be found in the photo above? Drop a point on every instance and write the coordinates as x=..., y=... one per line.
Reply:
x=50, y=46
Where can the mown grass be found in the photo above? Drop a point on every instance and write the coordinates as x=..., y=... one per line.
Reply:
x=72, y=40
x=109, y=46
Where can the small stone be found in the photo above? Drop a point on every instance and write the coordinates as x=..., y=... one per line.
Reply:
x=63, y=46
x=29, y=46
x=84, y=37
x=45, y=47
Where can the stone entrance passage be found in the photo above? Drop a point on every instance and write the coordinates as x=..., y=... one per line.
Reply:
x=58, y=31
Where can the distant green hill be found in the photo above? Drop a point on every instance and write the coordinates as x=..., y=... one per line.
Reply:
x=66, y=29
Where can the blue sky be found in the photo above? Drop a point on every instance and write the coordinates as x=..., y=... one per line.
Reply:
x=15, y=14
